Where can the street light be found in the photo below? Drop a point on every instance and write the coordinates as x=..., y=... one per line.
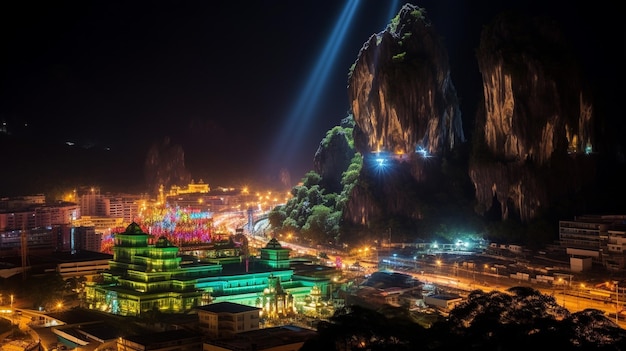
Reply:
x=559, y=282
x=377, y=263
x=12, y=312
x=582, y=286
x=616, y=300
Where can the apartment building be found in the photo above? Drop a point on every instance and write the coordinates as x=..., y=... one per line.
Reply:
x=108, y=211
x=600, y=237
x=38, y=215
x=42, y=227
x=86, y=239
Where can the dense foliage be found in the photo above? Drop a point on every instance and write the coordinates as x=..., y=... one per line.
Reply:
x=313, y=215
x=520, y=319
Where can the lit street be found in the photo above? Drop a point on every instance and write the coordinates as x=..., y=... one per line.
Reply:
x=570, y=299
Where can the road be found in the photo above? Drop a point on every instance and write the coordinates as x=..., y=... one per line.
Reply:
x=39, y=333
x=572, y=300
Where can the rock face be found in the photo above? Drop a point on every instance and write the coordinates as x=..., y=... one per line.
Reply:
x=534, y=133
x=532, y=147
x=406, y=112
x=333, y=157
x=400, y=90
x=165, y=165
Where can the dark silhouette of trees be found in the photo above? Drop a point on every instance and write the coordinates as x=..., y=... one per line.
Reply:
x=359, y=328
x=521, y=318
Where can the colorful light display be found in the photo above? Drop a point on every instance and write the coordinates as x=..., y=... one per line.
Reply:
x=179, y=225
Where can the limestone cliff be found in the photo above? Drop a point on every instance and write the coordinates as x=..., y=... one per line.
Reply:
x=406, y=111
x=165, y=165
x=534, y=133
x=400, y=90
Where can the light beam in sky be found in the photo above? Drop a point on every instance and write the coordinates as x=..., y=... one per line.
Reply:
x=299, y=118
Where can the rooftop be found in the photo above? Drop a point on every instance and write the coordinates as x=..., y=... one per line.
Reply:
x=227, y=307
x=265, y=338
x=163, y=336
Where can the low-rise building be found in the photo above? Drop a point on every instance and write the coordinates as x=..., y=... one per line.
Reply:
x=442, y=301
x=225, y=319
x=282, y=338
x=178, y=339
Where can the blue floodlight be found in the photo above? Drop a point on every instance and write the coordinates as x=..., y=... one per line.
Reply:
x=380, y=162
x=422, y=151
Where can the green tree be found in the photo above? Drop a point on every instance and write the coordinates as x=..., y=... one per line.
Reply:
x=319, y=225
x=277, y=216
x=310, y=179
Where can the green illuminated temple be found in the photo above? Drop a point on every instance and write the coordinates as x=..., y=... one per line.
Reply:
x=144, y=277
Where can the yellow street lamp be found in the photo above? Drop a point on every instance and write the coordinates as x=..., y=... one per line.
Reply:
x=616, y=300
x=12, y=312
x=582, y=286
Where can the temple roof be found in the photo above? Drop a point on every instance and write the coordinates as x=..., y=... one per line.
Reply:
x=163, y=242
x=227, y=307
x=274, y=244
x=134, y=229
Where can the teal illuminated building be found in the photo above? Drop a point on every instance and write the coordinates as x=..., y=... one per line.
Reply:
x=146, y=276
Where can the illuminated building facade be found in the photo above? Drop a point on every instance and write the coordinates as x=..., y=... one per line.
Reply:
x=144, y=277
x=275, y=301
x=38, y=216
x=274, y=255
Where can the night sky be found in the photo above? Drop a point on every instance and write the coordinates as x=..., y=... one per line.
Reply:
x=221, y=78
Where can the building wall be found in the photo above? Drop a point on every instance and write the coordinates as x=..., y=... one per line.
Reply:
x=581, y=234
x=94, y=204
x=602, y=237
x=58, y=214
x=169, y=340
x=86, y=238
x=17, y=220
x=224, y=324
x=86, y=269
x=37, y=240
x=39, y=216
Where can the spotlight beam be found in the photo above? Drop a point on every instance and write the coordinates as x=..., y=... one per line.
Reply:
x=300, y=117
